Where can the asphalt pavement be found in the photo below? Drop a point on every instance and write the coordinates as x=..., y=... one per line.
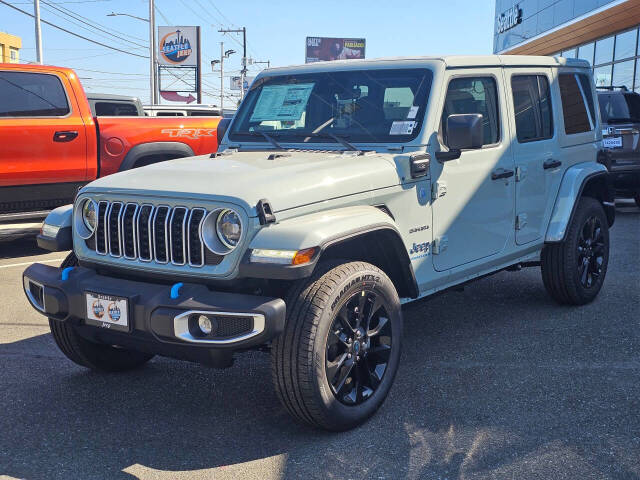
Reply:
x=496, y=382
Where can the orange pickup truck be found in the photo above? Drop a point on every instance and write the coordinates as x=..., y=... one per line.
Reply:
x=51, y=144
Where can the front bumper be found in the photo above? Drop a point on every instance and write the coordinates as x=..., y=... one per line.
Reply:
x=157, y=322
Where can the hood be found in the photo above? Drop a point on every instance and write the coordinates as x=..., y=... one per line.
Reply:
x=290, y=180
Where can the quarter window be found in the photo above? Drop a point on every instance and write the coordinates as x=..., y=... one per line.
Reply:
x=31, y=95
x=473, y=95
x=574, y=91
x=532, y=107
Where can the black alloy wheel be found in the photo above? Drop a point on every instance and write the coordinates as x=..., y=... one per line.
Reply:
x=591, y=251
x=358, y=348
x=335, y=361
x=573, y=271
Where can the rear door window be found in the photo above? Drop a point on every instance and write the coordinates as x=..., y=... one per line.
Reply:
x=532, y=107
x=32, y=95
x=112, y=109
x=577, y=103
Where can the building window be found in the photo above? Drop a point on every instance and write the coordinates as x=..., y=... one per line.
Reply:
x=626, y=44
x=571, y=53
x=604, y=51
x=473, y=95
x=585, y=52
x=574, y=110
x=636, y=84
x=532, y=107
x=13, y=55
x=602, y=75
x=623, y=74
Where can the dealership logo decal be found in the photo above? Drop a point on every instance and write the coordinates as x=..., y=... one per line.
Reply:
x=509, y=19
x=175, y=47
x=98, y=309
x=114, y=312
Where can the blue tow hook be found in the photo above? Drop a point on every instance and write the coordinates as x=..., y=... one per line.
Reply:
x=65, y=273
x=175, y=290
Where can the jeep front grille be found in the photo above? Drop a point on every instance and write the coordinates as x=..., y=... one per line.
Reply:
x=149, y=233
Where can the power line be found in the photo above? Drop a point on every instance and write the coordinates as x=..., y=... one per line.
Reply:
x=93, y=23
x=73, y=33
x=78, y=23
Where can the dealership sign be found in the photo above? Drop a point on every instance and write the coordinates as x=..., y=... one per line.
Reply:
x=178, y=46
x=322, y=48
x=509, y=19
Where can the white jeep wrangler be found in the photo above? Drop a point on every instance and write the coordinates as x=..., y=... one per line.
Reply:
x=341, y=190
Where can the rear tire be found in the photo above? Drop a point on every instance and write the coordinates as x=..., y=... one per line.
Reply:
x=95, y=356
x=336, y=360
x=573, y=271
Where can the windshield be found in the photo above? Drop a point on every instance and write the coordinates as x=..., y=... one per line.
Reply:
x=619, y=107
x=354, y=106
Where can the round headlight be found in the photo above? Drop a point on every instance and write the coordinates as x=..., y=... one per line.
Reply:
x=229, y=228
x=90, y=215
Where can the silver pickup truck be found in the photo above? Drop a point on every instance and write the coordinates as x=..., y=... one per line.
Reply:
x=341, y=191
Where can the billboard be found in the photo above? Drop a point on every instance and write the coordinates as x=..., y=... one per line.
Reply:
x=323, y=48
x=178, y=46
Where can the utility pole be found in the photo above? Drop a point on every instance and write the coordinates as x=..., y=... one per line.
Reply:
x=36, y=16
x=152, y=54
x=243, y=72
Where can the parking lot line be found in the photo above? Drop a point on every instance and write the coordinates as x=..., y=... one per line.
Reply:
x=29, y=263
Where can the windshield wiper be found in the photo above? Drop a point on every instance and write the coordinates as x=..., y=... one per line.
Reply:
x=338, y=139
x=266, y=136
x=271, y=140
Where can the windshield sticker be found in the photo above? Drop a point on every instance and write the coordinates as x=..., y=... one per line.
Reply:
x=402, y=128
x=413, y=112
x=282, y=102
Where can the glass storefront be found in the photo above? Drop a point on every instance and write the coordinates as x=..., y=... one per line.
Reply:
x=616, y=59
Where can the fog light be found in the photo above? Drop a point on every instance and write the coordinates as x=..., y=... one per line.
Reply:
x=204, y=323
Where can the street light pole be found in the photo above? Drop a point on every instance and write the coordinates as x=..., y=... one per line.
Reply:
x=221, y=79
x=153, y=90
x=152, y=54
x=36, y=16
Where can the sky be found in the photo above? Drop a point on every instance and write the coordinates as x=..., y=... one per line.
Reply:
x=276, y=31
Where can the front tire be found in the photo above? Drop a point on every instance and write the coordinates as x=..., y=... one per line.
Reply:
x=573, y=271
x=96, y=356
x=336, y=360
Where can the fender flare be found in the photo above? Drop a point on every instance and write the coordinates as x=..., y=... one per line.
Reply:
x=572, y=187
x=177, y=149
x=327, y=230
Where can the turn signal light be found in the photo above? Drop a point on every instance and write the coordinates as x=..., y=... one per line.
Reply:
x=303, y=256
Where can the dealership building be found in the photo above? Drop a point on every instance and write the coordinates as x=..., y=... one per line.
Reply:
x=604, y=32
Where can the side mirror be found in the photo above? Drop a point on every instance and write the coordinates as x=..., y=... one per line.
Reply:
x=464, y=132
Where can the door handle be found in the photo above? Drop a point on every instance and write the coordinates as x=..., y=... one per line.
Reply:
x=551, y=163
x=501, y=173
x=65, y=136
